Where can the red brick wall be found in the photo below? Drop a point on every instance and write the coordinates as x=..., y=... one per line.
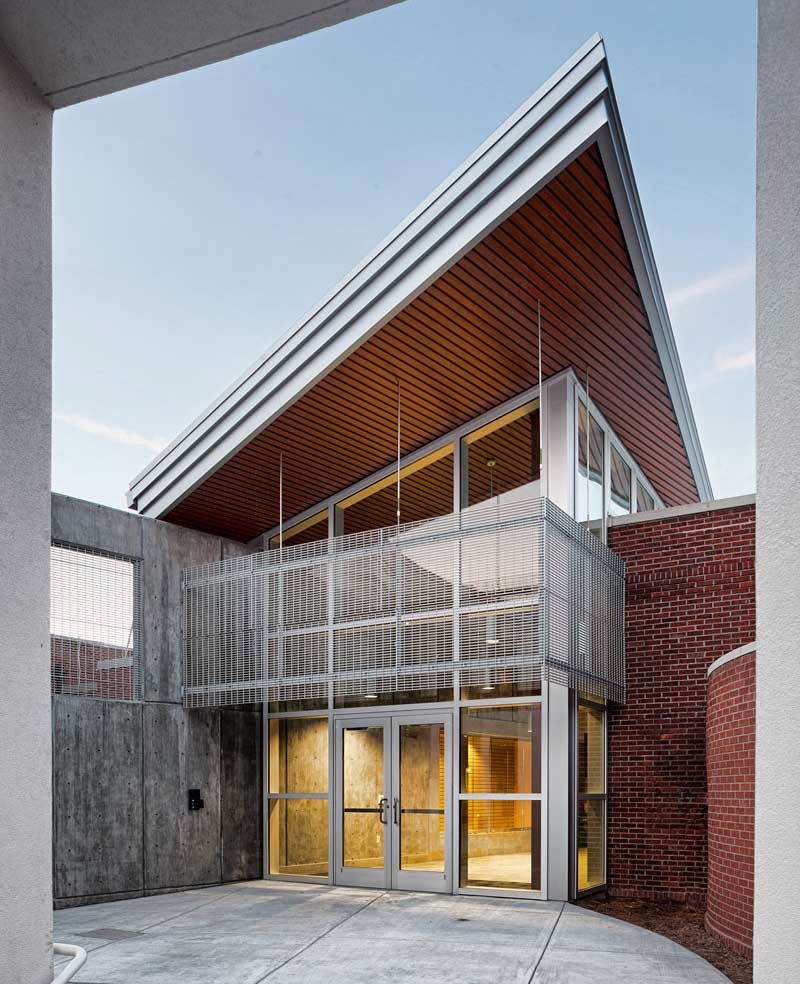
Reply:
x=731, y=763
x=690, y=598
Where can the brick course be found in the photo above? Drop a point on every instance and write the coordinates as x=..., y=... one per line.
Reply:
x=731, y=754
x=690, y=598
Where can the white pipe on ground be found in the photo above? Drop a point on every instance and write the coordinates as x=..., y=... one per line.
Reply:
x=78, y=955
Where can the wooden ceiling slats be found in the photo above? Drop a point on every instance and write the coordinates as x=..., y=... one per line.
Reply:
x=596, y=187
x=514, y=268
x=597, y=355
x=611, y=292
x=466, y=344
x=591, y=166
x=429, y=315
x=563, y=283
x=575, y=185
x=591, y=234
x=553, y=315
x=506, y=370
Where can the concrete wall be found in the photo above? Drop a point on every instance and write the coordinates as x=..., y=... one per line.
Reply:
x=777, y=916
x=25, y=910
x=122, y=770
x=80, y=49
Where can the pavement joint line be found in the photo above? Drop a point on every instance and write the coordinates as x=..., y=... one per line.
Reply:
x=547, y=943
x=146, y=928
x=322, y=936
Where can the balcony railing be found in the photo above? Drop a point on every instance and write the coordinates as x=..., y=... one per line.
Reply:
x=500, y=593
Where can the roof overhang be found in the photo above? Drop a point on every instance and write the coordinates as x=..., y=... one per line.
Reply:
x=75, y=50
x=574, y=109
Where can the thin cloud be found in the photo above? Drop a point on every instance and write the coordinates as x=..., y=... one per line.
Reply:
x=726, y=362
x=713, y=283
x=116, y=434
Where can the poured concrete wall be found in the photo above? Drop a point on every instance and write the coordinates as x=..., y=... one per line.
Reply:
x=122, y=770
x=777, y=850
x=25, y=909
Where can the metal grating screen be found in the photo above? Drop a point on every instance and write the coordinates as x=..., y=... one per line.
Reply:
x=95, y=632
x=498, y=593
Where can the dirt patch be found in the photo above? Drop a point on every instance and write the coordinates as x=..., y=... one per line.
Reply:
x=683, y=924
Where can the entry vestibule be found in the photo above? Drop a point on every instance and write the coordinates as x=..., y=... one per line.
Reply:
x=443, y=798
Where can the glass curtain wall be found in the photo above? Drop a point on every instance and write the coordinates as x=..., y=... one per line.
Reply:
x=298, y=797
x=590, y=826
x=426, y=490
x=502, y=456
x=500, y=818
x=644, y=501
x=591, y=467
x=619, y=501
x=422, y=797
x=308, y=531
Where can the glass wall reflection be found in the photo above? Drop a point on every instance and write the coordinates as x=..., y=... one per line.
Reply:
x=422, y=797
x=500, y=755
x=501, y=842
x=502, y=456
x=298, y=837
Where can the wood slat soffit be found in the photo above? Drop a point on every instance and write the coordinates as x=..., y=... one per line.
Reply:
x=464, y=345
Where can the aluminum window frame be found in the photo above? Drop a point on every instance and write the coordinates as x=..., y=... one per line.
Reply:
x=458, y=435
x=610, y=437
x=452, y=707
x=269, y=797
x=454, y=436
x=577, y=798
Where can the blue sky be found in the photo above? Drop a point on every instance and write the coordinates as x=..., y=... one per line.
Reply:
x=196, y=218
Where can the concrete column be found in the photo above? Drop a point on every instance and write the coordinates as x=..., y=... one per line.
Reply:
x=777, y=857
x=25, y=348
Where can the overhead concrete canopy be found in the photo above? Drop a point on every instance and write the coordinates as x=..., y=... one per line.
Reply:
x=77, y=49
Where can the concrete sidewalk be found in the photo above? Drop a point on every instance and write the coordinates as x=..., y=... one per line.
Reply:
x=288, y=933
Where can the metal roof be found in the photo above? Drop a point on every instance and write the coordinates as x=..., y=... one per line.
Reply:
x=575, y=108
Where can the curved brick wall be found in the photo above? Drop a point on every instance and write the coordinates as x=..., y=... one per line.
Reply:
x=730, y=763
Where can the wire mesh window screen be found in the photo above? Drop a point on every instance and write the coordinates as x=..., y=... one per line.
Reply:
x=95, y=624
x=501, y=592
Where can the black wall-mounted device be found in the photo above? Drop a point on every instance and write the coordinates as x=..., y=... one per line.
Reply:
x=195, y=803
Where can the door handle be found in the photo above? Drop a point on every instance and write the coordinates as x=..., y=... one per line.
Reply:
x=395, y=811
x=383, y=804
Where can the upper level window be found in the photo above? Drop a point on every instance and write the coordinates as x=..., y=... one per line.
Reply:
x=589, y=485
x=95, y=638
x=619, y=501
x=307, y=531
x=644, y=501
x=502, y=456
x=426, y=490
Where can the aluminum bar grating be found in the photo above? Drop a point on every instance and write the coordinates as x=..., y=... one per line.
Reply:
x=500, y=592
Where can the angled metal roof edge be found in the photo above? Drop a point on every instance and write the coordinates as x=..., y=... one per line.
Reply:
x=183, y=453
x=660, y=322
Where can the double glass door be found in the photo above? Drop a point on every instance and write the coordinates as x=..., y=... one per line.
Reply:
x=392, y=815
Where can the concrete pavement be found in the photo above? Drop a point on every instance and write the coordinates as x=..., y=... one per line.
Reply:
x=288, y=933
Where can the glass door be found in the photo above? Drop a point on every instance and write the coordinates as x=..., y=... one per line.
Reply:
x=392, y=816
x=363, y=786
x=420, y=794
